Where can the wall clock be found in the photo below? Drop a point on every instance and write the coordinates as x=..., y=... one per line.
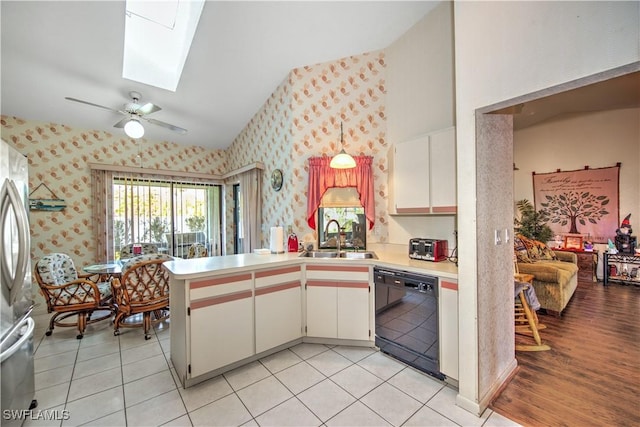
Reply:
x=276, y=179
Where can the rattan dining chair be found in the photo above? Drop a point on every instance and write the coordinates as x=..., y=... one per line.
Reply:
x=142, y=290
x=68, y=294
x=197, y=250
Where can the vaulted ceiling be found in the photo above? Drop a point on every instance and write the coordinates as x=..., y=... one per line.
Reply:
x=241, y=52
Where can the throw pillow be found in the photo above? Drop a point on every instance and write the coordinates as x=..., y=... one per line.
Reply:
x=520, y=249
x=538, y=250
x=545, y=252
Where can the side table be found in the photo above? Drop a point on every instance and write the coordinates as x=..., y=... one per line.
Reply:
x=587, y=262
x=526, y=320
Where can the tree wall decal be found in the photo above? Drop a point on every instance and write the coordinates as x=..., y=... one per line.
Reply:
x=575, y=208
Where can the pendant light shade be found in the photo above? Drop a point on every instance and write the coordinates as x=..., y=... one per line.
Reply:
x=342, y=160
x=134, y=129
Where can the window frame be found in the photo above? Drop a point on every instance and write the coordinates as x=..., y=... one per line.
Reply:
x=173, y=195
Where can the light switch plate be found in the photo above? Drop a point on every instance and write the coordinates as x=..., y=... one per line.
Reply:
x=498, y=238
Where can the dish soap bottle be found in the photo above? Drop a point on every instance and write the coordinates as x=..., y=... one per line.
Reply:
x=292, y=241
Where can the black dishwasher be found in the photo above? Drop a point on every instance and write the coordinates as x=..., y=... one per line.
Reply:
x=407, y=318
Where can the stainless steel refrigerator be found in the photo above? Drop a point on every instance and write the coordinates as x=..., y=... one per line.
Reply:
x=16, y=371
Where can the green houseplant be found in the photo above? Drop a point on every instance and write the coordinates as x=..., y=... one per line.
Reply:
x=532, y=224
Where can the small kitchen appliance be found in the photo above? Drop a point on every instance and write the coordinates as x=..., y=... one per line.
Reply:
x=428, y=249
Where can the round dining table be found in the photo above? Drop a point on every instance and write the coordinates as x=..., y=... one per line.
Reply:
x=105, y=271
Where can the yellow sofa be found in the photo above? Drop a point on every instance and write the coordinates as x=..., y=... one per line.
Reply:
x=555, y=281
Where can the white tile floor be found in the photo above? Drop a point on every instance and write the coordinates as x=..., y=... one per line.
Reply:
x=104, y=380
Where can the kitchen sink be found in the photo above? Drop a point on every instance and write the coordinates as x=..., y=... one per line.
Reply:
x=339, y=255
x=358, y=255
x=319, y=254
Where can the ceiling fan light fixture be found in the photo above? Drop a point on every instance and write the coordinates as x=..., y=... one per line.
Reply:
x=134, y=129
x=342, y=160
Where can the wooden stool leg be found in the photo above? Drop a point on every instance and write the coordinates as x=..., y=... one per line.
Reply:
x=530, y=319
x=533, y=328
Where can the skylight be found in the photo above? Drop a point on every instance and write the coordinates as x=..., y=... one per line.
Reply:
x=157, y=40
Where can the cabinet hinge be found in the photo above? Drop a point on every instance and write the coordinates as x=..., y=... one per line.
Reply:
x=188, y=311
x=189, y=368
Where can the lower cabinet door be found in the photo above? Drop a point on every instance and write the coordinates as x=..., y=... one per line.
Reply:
x=322, y=309
x=353, y=311
x=221, y=332
x=278, y=316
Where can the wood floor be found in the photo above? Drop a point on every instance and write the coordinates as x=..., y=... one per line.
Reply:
x=591, y=375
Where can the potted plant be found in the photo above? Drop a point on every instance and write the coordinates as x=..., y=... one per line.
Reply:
x=532, y=224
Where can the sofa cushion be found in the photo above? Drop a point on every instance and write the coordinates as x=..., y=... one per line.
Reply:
x=552, y=271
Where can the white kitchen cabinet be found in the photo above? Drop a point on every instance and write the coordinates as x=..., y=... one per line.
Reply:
x=442, y=167
x=278, y=306
x=448, y=327
x=219, y=328
x=322, y=309
x=424, y=174
x=353, y=310
x=339, y=302
x=411, y=176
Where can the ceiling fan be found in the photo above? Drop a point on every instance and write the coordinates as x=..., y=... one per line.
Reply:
x=135, y=112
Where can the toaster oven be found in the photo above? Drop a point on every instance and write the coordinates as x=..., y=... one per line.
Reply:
x=428, y=249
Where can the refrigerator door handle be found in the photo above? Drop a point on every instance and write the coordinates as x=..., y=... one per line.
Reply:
x=10, y=196
x=8, y=334
x=16, y=346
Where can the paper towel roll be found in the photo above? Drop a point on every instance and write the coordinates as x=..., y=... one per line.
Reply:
x=276, y=242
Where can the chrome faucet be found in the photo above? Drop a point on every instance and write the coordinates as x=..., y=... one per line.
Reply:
x=327, y=229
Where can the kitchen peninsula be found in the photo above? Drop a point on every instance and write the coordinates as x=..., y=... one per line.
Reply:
x=227, y=311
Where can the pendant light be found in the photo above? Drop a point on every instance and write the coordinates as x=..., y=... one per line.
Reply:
x=342, y=160
x=134, y=129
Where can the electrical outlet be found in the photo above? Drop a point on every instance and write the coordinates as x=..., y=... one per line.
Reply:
x=498, y=239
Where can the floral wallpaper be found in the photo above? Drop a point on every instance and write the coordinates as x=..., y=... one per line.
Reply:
x=266, y=139
x=302, y=119
x=59, y=156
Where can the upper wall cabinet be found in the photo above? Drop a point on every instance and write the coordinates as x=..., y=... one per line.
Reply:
x=424, y=175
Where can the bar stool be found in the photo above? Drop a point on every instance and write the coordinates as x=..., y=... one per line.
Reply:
x=526, y=320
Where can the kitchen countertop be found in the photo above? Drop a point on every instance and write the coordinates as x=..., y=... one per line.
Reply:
x=389, y=255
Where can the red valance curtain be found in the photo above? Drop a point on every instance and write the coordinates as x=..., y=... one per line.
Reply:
x=322, y=176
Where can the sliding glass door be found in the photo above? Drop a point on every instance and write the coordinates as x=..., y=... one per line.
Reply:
x=170, y=214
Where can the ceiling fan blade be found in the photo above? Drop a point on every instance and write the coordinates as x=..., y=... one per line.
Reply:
x=94, y=105
x=166, y=125
x=122, y=122
x=148, y=108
